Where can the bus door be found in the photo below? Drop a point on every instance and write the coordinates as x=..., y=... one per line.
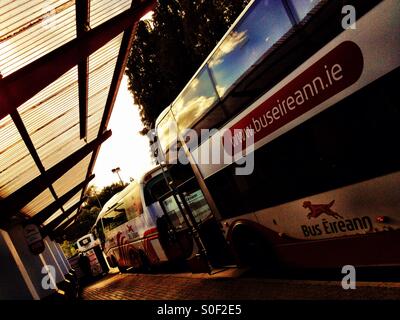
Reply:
x=174, y=231
x=187, y=227
x=200, y=215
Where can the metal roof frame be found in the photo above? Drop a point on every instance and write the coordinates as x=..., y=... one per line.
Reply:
x=26, y=82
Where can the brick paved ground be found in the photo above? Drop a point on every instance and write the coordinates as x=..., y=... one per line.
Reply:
x=227, y=285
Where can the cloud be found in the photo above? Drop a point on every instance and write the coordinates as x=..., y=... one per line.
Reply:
x=221, y=90
x=187, y=112
x=231, y=42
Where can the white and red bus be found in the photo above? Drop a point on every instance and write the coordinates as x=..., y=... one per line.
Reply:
x=128, y=231
x=322, y=103
x=145, y=224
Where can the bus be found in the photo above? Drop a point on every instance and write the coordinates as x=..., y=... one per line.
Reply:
x=318, y=97
x=145, y=225
x=128, y=232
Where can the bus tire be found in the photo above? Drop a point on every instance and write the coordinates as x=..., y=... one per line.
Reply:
x=252, y=248
x=135, y=260
x=120, y=268
x=145, y=263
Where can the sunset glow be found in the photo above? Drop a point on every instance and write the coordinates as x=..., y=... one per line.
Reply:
x=126, y=148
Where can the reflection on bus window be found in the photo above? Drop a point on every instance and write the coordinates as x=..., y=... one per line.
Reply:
x=134, y=208
x=197, y=98
x=263, y=24
x=114, y=218
x=167, y=131
x=198, y=205
x=172, y=210
x=302, y=7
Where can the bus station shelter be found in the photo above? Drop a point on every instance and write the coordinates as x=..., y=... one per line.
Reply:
x=61, y=63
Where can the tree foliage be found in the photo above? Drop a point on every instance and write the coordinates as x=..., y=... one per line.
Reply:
x=91, y=209
x=167, y=50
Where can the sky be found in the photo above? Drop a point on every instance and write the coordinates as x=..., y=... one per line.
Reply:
x=126, y=148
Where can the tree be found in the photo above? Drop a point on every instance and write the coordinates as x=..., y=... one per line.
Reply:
x=91, y=209
x=168, y=50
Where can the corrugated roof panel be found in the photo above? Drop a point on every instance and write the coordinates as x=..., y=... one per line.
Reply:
x=29, y=29
x=32, y=112
x=71, y=178
x=33, y=29
x=52, y=119
x=16, y=164
x=97, y=103
x=62, y=115
x=101, y=68
x=39, y=203
x=92, y=132
x=103, y=10
x=61, y=147
x=50, y=104
x=96, y=114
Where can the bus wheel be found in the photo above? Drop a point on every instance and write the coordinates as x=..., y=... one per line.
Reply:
x=115, y=263
x=122, y=269
x=135, y=260
x=145, y=263
x=252, y=249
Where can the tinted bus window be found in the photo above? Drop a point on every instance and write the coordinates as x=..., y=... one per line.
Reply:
x=167, y=131
x=197, y=204
x=114, y=218
x=134, y=206
x=172, y=210
x=302, y=7
x=263, y=24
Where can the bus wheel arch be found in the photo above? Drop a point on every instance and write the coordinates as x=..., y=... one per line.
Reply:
x=134, y=258
x=115, y=263
x=112, y=261
x=252, y=245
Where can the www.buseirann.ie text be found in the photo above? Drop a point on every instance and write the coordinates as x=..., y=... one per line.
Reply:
x=307, y=92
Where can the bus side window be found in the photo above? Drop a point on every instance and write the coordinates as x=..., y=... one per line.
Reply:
x=114, y=218
x=134, y=207
x=260, y=28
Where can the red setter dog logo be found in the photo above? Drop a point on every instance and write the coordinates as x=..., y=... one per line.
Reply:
x=317, y=209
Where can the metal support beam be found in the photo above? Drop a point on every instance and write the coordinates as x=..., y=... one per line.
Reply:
x=82, y=9
x=57, y=221
x=83, y=68
x=47, y=212
x=66, y=224
x=82, y=26
x=23, y=84
x=17, y=200
x=63, y=227
x=32, y=150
